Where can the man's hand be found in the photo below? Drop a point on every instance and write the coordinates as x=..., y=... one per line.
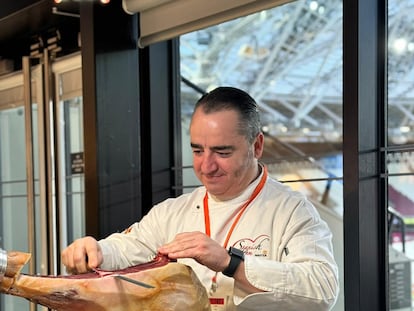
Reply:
x=200, y=247
x=82, y=255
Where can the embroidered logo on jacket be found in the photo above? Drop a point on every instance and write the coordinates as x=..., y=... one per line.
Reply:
x=257, y=247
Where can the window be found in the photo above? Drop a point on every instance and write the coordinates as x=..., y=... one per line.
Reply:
x=400, y=153
x=289, y=59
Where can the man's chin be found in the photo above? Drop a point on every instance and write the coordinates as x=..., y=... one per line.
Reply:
x=214, y=190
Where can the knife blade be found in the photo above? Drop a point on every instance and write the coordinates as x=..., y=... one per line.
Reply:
x=135, y=282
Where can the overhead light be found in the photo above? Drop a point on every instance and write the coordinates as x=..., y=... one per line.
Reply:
x=265, y=129
x=400, y=45
x=313, y=5
x=404, y=129
x=332, y=136
x=283, y=129
x=321, y=9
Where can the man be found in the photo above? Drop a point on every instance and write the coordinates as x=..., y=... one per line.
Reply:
x=280, y=254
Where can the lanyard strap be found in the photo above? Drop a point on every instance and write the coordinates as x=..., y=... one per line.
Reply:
x=243, y=208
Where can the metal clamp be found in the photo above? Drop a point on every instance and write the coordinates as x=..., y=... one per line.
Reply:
x=3, y=262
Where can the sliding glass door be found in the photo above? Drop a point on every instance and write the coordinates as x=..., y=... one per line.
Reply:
x=41, y=167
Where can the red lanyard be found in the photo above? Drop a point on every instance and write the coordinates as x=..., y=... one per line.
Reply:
x=243, y=208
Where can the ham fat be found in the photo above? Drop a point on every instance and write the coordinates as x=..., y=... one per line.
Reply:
x=176, y=287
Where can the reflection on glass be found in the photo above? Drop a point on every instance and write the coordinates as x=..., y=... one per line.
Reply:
x=13, y=194
x=400, y=157
x=72, y=150
x=400, y=72
x=401, y=240
x=289, y=59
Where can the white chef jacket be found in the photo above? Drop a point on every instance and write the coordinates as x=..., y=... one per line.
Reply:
x=287, y=246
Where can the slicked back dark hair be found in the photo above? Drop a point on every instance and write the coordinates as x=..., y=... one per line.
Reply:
x=231, y=98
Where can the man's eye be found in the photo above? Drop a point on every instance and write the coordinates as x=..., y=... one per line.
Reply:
x=224, y=154
x=196, y=151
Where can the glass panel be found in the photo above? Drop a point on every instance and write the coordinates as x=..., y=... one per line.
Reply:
x=290, y=60
x=74, y=177
x=327, y=196
x=13, y=195
x=13, y=166
x=400, y=153
x=401, y=231
x=70, y=144
x=13, y=180
x=400, y=72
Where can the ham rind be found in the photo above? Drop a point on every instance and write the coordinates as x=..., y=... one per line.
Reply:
x=176, y=287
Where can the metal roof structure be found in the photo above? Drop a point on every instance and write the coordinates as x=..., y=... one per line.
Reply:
x=290, y=60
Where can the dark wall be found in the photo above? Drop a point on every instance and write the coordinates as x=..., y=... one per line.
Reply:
x=111, y=118
x=130, y=100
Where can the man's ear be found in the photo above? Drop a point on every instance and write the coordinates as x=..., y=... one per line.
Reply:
x=258, y=145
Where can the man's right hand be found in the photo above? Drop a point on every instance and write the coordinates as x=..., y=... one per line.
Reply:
x=82, y=255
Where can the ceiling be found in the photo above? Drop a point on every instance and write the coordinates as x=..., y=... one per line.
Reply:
x=35, y=21
x=290, y=60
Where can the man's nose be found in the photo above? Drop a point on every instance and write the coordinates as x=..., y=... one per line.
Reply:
x=209, y=163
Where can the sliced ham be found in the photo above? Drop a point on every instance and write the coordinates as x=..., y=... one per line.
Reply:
x=175, y=287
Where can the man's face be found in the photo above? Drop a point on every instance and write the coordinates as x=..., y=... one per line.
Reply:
x=223, y=159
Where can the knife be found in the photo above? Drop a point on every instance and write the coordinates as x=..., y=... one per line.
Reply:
x=127, y=279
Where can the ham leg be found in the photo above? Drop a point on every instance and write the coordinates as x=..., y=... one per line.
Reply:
x=176, y=287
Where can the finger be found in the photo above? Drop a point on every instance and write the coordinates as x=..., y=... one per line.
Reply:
x=173, y=250
x=80, y=259
x=94, y=257
x=67, y=259
x=184, y=245
x=179, y=244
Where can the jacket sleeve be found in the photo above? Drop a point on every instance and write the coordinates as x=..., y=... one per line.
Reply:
x=136, y=244
x=302, y=275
